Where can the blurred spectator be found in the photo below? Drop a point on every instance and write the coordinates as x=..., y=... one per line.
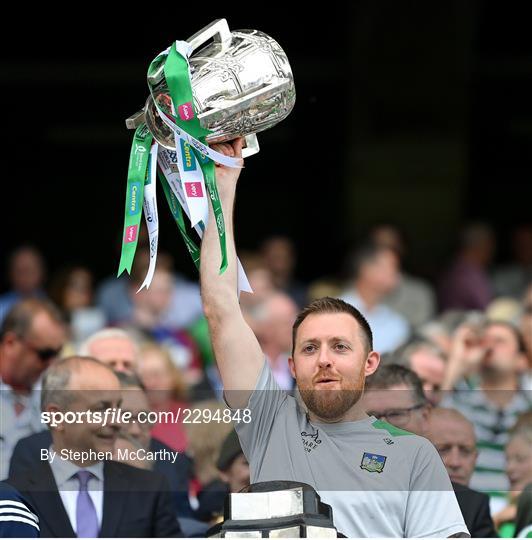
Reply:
x=526, y=332
x=32, y=335
x=126, y=451
x=166, y=390
x=374, y=273
x=141, y=435
x=232, y=464
x=519, y=471
x=324, y=287
x=427, y=362
x=134, y=435
x=149, y=307
x=503, y=309
x=83, y=494
x=260, y=279
x=71, y=290
x=273, y=328
x=453, y=436
x=115, y=348
x=115, y=295
x=279, y=256
x=437, y=333
x=18, y=518
x=395, y=394
x=25, y=273
x=523, y=521
x=494, y=406
x=466, y=284
x=412, y=297
x=513, y=279
x=205, y=442
x=465, y=354
x=442, y=330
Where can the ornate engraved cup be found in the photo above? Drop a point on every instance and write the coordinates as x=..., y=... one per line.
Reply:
x=241, y=83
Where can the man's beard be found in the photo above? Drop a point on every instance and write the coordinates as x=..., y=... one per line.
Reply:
x=332, y=404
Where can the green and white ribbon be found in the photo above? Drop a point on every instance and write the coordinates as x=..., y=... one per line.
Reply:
x=171, y=175
x=188, y=176
x=150, y=213
x=177, y=213
x=195, y=169
x=137, y=170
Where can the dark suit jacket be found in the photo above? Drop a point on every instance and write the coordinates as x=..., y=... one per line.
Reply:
x=476, y=511
x=27, y=453
x=524, y=510
x=136, y=503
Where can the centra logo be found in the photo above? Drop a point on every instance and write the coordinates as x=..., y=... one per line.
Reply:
x=189, y=161
x=133, y=206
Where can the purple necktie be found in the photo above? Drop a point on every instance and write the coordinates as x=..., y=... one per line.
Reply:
x=86, y=518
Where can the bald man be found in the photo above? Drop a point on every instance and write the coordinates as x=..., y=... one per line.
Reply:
x=453, y=436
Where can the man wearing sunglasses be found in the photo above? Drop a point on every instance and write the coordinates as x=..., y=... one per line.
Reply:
x=31, y=337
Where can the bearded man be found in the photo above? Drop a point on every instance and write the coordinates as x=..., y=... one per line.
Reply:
x=379, y=480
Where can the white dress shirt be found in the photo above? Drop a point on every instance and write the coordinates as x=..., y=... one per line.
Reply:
x=68, y=486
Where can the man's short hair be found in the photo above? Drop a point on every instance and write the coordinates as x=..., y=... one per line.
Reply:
x=403, y=355
x=106, y=333
x=452, y=414
x=20, y=317
x=333, y=305
x=57, y=378
x=394, y=375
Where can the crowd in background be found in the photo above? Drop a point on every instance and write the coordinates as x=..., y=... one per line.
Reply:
x=456, y=361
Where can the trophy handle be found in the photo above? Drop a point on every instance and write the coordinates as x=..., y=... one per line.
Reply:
x=218, y=29
x=251, y=146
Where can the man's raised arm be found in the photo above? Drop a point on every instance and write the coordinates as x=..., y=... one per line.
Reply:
x=237, y=351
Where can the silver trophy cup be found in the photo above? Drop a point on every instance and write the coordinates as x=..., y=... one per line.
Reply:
x=241, y=84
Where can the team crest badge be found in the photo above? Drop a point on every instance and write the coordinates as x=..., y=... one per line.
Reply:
x=372, y=462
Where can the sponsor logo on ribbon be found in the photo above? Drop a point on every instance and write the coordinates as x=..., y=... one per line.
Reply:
x=220, y=224
x=186, y=111
x=189, y=161
x=193, y=189
x=133, y=207
x=131, y=233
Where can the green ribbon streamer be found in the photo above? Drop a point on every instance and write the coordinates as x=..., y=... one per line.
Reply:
x=178, y=81
x=136, y=176
x=177, y=214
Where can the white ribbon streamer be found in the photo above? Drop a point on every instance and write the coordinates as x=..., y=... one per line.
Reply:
x=151, y=215
x=174, y=181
